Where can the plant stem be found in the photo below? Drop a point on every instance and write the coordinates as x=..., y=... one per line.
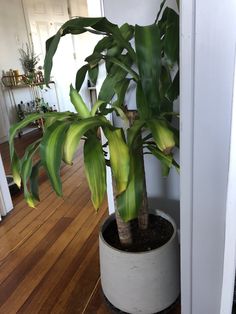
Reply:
x=124, y=231
x=143, y=212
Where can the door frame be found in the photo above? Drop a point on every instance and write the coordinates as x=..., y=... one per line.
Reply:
x=206, y=89
x=6, y=204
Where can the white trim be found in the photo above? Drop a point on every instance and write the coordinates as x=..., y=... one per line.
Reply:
x=5, y=197
x=187, y=63
x=230, y=230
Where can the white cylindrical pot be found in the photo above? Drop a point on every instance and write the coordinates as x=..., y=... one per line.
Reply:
x=146, y=282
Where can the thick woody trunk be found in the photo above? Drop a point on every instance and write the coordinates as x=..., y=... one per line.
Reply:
x=124, y=231
x=143, y=212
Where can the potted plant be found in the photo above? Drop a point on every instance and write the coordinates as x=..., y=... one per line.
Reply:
x=138, y=275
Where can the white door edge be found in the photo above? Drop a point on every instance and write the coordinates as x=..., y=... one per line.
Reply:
x=230, y=230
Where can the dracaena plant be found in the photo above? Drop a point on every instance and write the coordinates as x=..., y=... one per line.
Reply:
x=144, y=56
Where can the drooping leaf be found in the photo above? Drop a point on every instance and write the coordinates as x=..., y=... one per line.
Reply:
x=120, y=90
x=26, y=170
x=166, y=160
x=162, y=134
x=173, y=90
x=78, y=103
x=96, y=106
x=134, y=131
x=95, y=169
x=34, y=188
x=129, y=202
x=78, y=26
x=15, y=168
x=51, y=148
x=171, y=38
x=51, y=47
x=115, y=75
x=142, y=105
x=18, y=126
x=103, y=44
x=94, y=59
x=123, y=66
x=165, y=81
x=119, y=157
x=148, y=50
x=93, y=74
x=160, y=10
x=127, y=32
x=75, y=132
x=80, y=76
x=51, y=117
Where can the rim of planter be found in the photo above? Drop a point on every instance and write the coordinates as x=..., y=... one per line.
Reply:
x=156, y=212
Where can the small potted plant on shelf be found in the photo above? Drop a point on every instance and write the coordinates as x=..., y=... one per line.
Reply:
x=139, y=253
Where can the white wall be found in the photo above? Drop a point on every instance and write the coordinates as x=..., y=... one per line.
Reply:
x=13, y=34
x=163, y=193
x=5, y=197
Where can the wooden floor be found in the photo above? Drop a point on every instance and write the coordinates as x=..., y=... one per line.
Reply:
x=49, y=255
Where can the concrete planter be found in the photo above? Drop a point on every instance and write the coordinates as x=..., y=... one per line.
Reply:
x=145, y=282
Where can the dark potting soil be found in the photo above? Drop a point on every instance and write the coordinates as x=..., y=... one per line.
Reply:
x=158, y=233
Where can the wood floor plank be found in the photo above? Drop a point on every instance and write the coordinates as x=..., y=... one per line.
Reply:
x=8, y=286
x=36, y=217
x=42, y=267
x=97, y=303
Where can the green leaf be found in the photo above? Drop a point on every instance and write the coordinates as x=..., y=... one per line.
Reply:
x=115, y=75
x=34, y=180
x=15, y=168
x=129, y=202
x=51, y=47
x=79, y=26
x=162, y=134
x=122, y=115
x=123, y=66
x=120, y=90
x=94, y=59
x=103, y=44
x=93, y=74
x=166, y=160
x=134, y=131
x=173, y=90
x=171, y=38
x=127, y=32
x=26, y=170
x=15, y=128
x=148, y=50
x=95, y=169
x=80, y=76
x=119, y=157
x=96, y=106
x=78, y=103
x=51, y=117
x=160, y=10
x=75, y=132
x=51, y=148
x=165, y=81
x=142, y=105
x=176, y=165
